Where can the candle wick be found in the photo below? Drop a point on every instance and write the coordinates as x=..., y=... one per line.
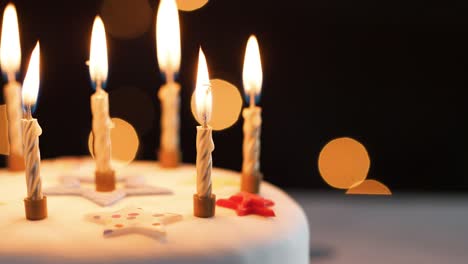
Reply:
x=11, y=77
x=28, y=112
x=205, y=118
x=98, y=85
x=169, y=77
x=252, y=99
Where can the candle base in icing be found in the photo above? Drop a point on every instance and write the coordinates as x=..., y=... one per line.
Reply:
x=15, y=162
x=204, y=207
x=35, y=209
x=169, y=158
x=105, y=181
x=251, y=183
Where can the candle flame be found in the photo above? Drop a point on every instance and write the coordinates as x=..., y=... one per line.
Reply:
x=98, y=55
x=203, y=97
x=10, y=50
x=252, y=75
x=168, y=37
x=32, y=80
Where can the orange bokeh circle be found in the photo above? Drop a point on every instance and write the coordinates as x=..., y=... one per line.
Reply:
x=343, y=162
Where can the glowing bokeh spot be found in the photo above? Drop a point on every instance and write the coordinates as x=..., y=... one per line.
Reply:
x=190, y=5
x=343, y=162
x=4, y=144
x=369, y=187
x=124, y=141
x=126, y=18
x=227, y=104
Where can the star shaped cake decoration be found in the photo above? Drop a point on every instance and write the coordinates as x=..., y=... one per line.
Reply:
x=132, y=186
x=134, y=220
x=245, y=203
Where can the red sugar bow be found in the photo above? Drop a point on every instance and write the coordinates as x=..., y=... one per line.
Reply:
x=247, y=203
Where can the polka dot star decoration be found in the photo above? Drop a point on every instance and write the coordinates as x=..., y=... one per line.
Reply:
x=130, y=220
x=344, y=164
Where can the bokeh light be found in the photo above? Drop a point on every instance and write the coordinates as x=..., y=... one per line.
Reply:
x=190, y=5
x=4, y=144
x=125, y=143
x=227, y=104
x=126, y=18
x=343, y=162
x=369, y=187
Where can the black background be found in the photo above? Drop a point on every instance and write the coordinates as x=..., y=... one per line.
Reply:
x=390, y=74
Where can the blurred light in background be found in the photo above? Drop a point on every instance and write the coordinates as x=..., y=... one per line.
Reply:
x=124, y=141
x=344, y=164
x=190, y=5
x=227, y=104
x=126, y=19
x=369, y=187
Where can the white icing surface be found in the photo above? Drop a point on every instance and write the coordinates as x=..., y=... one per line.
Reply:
x=66, y=236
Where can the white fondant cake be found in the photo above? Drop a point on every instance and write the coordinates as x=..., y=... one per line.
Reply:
x=67, y=236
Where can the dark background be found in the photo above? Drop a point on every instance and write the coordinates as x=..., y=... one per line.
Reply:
x=390, y=74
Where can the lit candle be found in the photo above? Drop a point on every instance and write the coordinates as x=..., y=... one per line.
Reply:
x=168, y=52
x=10, y=59
x=35, y=203
x=252, y=80
x=204, y=200
x=102, y=124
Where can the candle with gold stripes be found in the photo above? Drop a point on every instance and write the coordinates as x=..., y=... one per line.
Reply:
x=10, y=60
x=252, y=80
x=35, y=203
x=102, y=124
x=204, y=199
x=168, y=51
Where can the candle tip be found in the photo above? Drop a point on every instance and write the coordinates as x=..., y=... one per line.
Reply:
x=252, y=75
x=98, y=65
x=10, y=47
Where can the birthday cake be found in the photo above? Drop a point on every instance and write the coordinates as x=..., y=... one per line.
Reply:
x=82, y=228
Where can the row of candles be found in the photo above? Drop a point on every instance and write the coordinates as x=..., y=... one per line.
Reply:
x=168, y=55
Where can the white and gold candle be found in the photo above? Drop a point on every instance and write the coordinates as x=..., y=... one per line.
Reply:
x=31, y=128
x=168, y=52
x=204, y=200
x=10, y=60
x=252, y=80
x=251, y=141
x=101, y=123
x=205, y=145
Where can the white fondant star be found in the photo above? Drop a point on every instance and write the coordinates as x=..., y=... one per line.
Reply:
x=134, y=220
x=135, y=185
